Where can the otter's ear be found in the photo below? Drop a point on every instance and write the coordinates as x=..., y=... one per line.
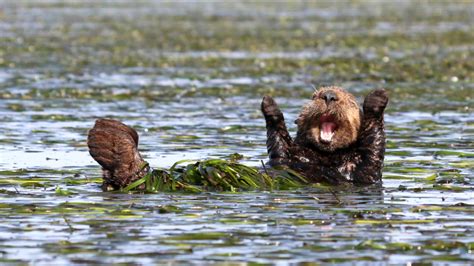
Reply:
x=300, y=120
x=375, y=102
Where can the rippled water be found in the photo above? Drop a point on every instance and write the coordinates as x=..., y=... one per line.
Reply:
x=189, y=78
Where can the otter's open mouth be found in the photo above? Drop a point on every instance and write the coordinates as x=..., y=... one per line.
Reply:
x=327, y=128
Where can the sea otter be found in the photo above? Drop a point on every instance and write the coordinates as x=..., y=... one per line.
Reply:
x=335, y=142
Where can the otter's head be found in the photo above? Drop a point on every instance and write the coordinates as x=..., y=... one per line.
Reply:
x=330, y=121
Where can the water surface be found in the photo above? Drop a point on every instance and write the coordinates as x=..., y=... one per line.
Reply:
x=189, y=78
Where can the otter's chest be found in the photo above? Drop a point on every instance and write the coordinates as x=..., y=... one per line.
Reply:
x=343, y=162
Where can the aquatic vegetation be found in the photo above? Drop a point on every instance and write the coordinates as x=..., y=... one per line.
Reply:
x=217, y=175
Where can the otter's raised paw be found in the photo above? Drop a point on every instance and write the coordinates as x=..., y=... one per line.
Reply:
x=376, y=101
x=271, y=111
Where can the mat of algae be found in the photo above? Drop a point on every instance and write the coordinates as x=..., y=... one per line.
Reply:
x=189, y=77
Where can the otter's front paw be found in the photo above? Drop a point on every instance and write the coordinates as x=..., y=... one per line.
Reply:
x=270, y=110
x=376, y=101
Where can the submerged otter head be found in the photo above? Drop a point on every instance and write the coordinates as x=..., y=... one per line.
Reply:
x=330, y=121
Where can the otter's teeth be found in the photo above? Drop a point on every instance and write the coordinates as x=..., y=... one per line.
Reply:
x=326, y=136
x=327, y=131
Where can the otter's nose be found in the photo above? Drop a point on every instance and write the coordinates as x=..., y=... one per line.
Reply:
x=330, y=96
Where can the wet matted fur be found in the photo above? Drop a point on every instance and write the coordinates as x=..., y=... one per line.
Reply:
x=335, y=142
x=335, y=109
x=114, y=146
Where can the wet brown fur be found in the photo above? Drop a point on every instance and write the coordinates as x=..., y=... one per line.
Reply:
x=347, y=115
x=356, y=151
x=114, y=146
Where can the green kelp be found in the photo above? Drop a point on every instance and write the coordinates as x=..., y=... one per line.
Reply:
x=216, y=175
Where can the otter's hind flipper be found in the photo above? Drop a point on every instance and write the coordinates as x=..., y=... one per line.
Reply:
x=114, y=146
x=278, y=138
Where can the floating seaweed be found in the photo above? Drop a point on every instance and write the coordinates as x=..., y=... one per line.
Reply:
x=216, y=175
